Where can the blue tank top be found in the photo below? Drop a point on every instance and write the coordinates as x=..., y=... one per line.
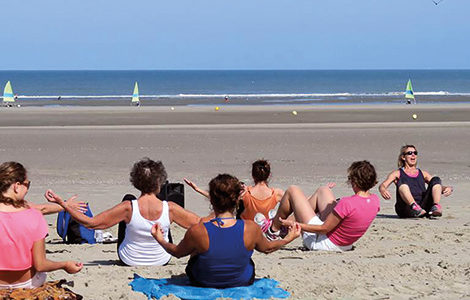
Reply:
x=227, y=263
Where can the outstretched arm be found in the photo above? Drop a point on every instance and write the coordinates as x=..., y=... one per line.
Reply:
x=103, y=220
x=42, y=264
x=196, y=188
x=265, y=246
x=181, y=216
x=383, y=188
x=446, y=190
x=52, y=208
x=185, y=247
x=330, y=223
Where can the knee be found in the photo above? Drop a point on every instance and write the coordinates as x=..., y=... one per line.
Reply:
x=403, y=187
x=323, y=190
x=435, y=181
x=293, y=189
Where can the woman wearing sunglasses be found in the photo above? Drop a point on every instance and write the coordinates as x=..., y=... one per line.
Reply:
x=414, y=199
x=23, y=229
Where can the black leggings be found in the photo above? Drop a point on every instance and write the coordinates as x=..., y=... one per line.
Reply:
x=403, y=210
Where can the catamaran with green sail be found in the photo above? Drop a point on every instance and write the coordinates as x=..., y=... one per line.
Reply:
x=409, y=94
x=135, y=96
x=8, y=97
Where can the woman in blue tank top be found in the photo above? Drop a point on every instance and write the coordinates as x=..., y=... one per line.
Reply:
x=221, y=247
x=413, y=198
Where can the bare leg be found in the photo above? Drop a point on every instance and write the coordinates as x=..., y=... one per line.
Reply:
x=436, y=193
x=323, y=201
x=405, y=193
x=293, y=201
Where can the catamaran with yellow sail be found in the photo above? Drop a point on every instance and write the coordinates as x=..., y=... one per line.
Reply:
x=135, y=96
x=409, y=94
x=8, y=97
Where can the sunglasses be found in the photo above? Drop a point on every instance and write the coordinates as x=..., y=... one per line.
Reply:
x=410, y=153
x=27, y=183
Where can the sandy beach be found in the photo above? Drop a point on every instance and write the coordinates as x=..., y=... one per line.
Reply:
x=89, y=151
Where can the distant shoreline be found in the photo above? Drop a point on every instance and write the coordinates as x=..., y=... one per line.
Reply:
x=241, y=100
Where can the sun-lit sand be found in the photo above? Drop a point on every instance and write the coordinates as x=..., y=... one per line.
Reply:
x=89, y=152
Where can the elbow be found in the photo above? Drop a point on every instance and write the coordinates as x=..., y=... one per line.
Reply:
x=177, y=255
x=39, y=266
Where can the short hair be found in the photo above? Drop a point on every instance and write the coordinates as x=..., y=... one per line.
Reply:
x=224, y=192
x=10, y=173
x=148, y=176
x=400, y=162
x=260, y=171
x=362, y=175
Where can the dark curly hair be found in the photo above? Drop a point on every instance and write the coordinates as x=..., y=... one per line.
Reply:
x=362, y=175
x=224, y=191
x=10, y=173
x=260, y=171
x=148, y=176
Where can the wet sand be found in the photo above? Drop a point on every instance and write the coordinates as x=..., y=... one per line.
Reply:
x=89, y=152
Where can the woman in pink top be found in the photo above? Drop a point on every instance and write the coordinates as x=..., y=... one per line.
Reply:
x=328, y=224
x=23, y=230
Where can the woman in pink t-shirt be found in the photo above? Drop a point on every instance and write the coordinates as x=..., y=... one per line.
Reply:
x=23, y=259
x=328, y=224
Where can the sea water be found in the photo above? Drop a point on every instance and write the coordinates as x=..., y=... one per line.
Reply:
x=264, y=87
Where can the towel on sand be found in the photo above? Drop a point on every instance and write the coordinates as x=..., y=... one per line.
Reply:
x=180, y=287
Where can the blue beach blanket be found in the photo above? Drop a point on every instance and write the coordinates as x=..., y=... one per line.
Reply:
x=180, y=287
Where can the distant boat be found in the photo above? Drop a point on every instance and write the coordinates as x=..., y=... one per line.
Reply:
x=409, y=95
x=8, y=97
x=135, y=96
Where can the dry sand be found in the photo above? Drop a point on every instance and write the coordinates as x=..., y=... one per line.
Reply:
x=89, y=152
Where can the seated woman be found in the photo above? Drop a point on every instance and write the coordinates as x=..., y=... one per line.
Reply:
x=138, y=248
x=413, y=198
x=221, y=248
x=328, y=224
x=23, y=261
x=259, y=198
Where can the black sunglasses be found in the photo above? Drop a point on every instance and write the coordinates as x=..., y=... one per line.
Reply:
x=26, y=183
x=410, y=152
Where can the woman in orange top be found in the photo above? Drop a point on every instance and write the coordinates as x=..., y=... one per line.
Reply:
x=259, y=198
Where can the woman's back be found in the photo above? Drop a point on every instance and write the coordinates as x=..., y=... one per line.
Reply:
x=139, y=247
x=20, y=230
x=258, y=199
x=227, y=262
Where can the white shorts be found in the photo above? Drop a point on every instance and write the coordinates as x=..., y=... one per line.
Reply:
x=317, y=241
x=36, y=281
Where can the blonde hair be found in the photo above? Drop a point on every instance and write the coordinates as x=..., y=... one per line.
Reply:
x=400, y=162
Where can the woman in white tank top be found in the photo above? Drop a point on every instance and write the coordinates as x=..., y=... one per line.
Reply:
x=138, y=248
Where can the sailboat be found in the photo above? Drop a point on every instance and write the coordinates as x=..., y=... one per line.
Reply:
x=409, y=95
x=8, y=97
x=135, y=96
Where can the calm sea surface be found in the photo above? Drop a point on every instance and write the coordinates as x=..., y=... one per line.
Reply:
x=275, y=87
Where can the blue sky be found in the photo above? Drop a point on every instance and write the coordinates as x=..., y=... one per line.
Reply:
x=242, y=34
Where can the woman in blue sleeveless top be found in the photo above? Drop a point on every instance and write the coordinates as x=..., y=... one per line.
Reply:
x=414, y=199
x=221, y=247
